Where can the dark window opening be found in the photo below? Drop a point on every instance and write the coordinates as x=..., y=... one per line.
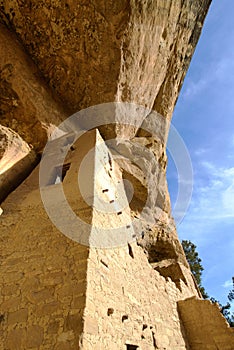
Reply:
x=132, y=347
x=124, y=318
x=65, y=169
x=110, y=161
x=154, y=341
x=130, y=251
x=59, y=174
x=110, y=311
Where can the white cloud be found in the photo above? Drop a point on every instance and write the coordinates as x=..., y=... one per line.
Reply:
x=227, y=284
x=212, y=202
x=194, y=88
x=216, y=73
x=201, y=151
x=216, y=196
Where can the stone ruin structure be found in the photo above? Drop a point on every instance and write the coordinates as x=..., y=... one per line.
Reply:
x=78, y=284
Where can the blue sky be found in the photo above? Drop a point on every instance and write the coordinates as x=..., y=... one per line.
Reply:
x=204, y=117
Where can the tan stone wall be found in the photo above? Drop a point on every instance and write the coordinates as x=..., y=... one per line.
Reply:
x=58, y=294
x=205, y=326
x=50, y=283
x=128, y=302
x=42, y=277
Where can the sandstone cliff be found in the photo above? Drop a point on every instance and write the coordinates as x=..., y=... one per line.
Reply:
x=66, y=291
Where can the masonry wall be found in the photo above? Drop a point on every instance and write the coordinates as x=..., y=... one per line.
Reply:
x=58, y=294
x=128, y=302
x=205, y=327
x=42, y=276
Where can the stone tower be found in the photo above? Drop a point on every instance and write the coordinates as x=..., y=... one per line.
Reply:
x=90, y=257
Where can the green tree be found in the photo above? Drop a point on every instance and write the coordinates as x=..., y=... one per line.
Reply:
x=231, y=293
x=230, y=316
x=190, y=250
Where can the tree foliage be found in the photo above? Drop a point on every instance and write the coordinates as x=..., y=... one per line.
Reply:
x=190, y=250
x=231, y=292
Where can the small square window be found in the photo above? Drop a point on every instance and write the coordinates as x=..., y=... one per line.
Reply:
x=59, y=174
x=132, y=347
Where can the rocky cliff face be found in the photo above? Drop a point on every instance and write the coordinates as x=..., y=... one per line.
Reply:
x=59, y=58
x=92, y=52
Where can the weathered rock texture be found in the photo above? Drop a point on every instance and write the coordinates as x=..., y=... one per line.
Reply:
x=59, y=57
x=99, y=51
x=91, y=52
x=202, y=321
x=27, y=107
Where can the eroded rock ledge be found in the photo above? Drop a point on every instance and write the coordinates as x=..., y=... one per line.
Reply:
x=90, y=52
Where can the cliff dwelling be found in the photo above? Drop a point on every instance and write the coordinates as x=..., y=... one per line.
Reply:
x=90, y=256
